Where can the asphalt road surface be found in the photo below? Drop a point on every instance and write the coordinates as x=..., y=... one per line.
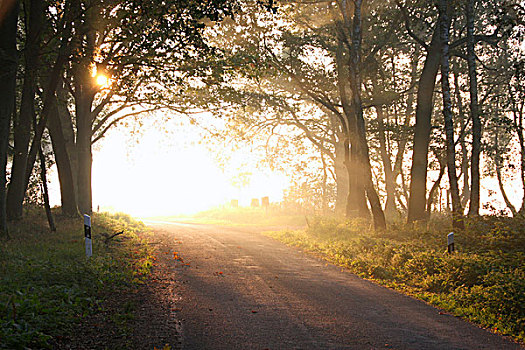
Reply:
x=237, y=289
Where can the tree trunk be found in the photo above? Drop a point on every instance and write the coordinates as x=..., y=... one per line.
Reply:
x=65, y=174
x=432, y=194
x=390, y=185
x=365, y=171
x=68, y=131
x=85, y=91
x=518, y=126
x=498, y=162
x=357, y=109
x=356, y=200
x=49, y=96
x=8, y=66
x=508, y=203
x=324, y=192
x=348, y=69
x=401, y=146
x=84, y=156
x=474, y=112
x=418, y=172
x=45, y=191
x=457, y=211
x=465, y=193
x=517, y=108
x=404, y=189
x=22, y=126
x=341, y=178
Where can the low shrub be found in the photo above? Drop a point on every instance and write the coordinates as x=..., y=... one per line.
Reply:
x=483, y=281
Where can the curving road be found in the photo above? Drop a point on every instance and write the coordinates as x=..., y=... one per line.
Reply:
x=237, y=289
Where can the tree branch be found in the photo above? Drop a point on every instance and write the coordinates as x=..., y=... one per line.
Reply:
x=408, y=28
x=115, y=121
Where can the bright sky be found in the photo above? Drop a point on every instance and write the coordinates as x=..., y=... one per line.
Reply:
x=165, y=170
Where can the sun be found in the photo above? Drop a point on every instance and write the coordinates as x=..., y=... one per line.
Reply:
x=101, y=80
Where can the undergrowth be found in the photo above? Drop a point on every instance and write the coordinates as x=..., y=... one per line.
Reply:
x=484, y=281
x=48, y=286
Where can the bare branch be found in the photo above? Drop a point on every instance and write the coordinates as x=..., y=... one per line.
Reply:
x=323, y=99
x=115, y=121
x=408, y=27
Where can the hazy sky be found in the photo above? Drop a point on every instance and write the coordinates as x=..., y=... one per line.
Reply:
x=164, y=170
x=167, y=169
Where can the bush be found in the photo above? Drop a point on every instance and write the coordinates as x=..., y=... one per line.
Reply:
x=483, y=281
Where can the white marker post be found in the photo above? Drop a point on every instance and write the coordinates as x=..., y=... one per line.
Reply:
x=450, y=242
x=87, y=235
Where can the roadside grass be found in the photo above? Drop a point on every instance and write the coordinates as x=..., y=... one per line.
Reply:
x=248, y=216
x=484, y=281
x=48, y=286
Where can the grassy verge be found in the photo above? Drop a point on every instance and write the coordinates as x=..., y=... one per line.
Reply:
x=47, y=286
x=244, y=216
x=484, y=281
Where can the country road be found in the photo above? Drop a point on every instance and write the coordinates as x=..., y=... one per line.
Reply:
x=237, y=289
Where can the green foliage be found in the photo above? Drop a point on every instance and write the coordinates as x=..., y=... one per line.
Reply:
x=47, y=286
x=483, y=281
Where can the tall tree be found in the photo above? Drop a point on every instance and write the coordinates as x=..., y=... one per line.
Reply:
x=445, y=15
x=34, y=11
x=132, y=53
x=426, y=85
x=306, y=57
x=355, y=83
x=63, y=141
x=474, y=112
x=63, y=39
x=8, y=67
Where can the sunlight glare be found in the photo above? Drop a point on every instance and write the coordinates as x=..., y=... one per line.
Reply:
x=101, y=80
x=160, y=173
